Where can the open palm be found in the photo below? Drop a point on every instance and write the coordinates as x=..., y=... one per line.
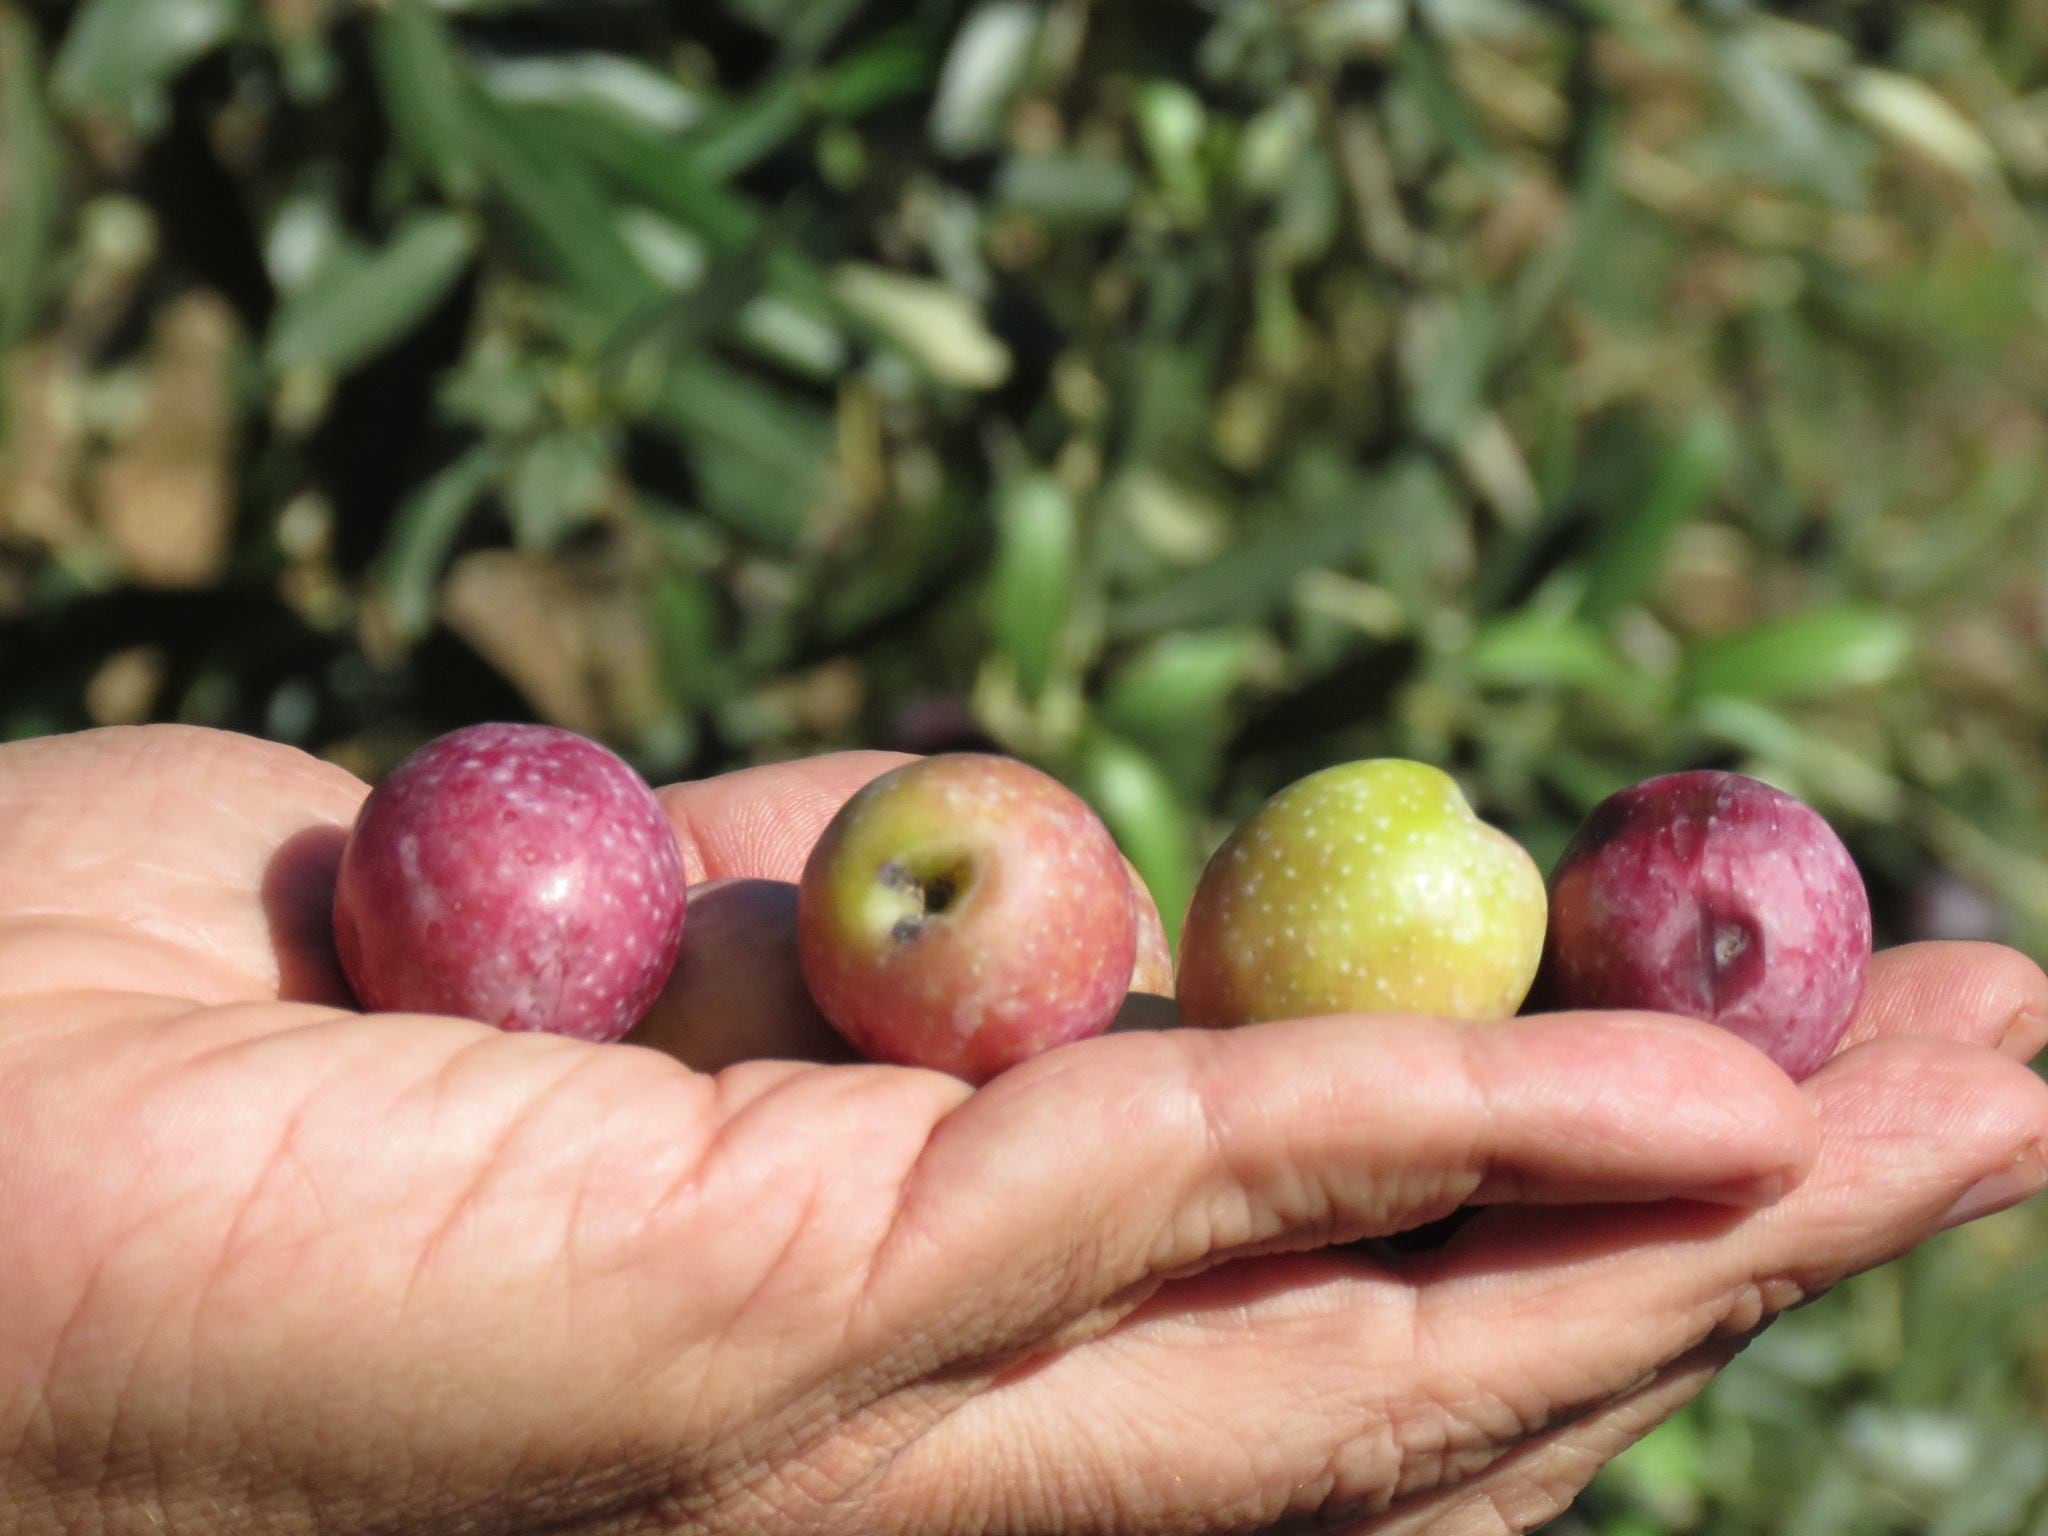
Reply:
x=278, y=1266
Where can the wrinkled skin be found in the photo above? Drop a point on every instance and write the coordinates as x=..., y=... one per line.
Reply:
x=279, y=1267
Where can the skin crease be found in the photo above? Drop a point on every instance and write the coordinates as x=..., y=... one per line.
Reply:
x=283, y=1268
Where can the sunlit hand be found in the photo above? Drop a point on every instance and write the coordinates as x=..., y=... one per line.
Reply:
x=274, y=1266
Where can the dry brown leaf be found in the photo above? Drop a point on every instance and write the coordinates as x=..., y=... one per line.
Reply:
x=568, y=632
x=164, y=494
x=125, y=688
x=39, y=456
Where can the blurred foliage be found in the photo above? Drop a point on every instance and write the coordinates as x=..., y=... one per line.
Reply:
x=1183, y=397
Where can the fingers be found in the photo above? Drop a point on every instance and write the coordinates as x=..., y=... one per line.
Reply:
x=1909, y=1128
x=1181, y=1419
x=217, y=852
x=1982, y=994
x=1107, y=1164
x=737, y=992
x=1871, y=1196
x=1532, y=1483
x=1357, y=1382
x=760, y=823
x=215, y=847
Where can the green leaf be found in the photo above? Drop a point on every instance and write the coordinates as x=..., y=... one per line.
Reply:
x=557, y=484
x=1629, y=555
x=1067, y=189
x=1537, y=650
x=696, y=665
x=423, y=534
x=1911, y=113
x=429, y=95
x=358, y=305
x=1172, y=698
x=120, y=54
x=1251, y=579
x=987, y=66
x=567, y=223
x=811, y=26
x=893, y=69
x=1806, y=762
x=1416, y=528
x=29, y=187
x=759, y=454
x=1031, y=588
x=1813, y=655
x=802, y=27
x=793, y=336
x=939, y=327
x=499, y=392
x=1791, y=138
x=606, y=85
x=904, y=570
x=1443, y=104
x=661, y=172
x=1146, y=816
x=740, y=135
x=1180, y=680
x=1454, y=380
x=1173, y=124
x=1667, y=1469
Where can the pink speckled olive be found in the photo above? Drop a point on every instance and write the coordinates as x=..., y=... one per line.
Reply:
x=1718, y=897
x=518, y=875
x=964, y=913
x=1153, y=972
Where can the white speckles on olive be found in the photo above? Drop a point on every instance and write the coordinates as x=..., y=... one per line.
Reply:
x=1718, y=896
x=1367, y=886
x=1038, y=947
x=518, y=875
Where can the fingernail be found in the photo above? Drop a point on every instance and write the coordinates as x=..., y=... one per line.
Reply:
x=2001, y=1191
x=2026, y=1035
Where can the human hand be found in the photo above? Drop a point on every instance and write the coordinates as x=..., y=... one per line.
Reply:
x=281, y=1267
